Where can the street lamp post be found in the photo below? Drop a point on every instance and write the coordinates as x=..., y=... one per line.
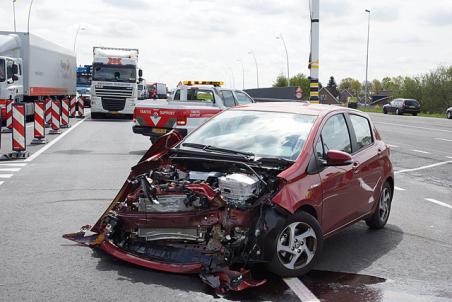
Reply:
x=367, y=57
x=280, y=37
x=243, y=73
x=29, y=13
x=257, y=68
x=76, y=34
x=14, y=14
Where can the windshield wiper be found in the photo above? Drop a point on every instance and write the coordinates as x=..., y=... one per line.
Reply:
x=247, y=155
x=275, y=160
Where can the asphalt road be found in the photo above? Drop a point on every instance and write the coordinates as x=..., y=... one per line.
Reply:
x=71, y=182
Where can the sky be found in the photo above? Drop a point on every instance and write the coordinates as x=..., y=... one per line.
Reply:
x=210, y=39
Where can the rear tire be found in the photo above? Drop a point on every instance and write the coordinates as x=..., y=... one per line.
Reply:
x=385, y=112
x=380, y=217
x=299, y=236
x=449, y=114
x=414, y=114
x=398, y=112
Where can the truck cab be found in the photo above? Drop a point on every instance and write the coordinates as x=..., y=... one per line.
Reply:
x=115, y=76
x=11, y=82
x=191, y=104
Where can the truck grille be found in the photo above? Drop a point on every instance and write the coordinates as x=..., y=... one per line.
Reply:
x=114, y=92
x=113, y=104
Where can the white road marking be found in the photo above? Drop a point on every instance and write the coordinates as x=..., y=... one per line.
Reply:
x=416, y=127
x=443, y=139
x=13, y=164
x=6, y=175
x=9, y=169
x=1, y=183
x=392, y=146
x=449, y=157
x=439, y=202
x=420, y=151
x=425, y=167
x=399, y=188
x=300, y=290
x=53, y=142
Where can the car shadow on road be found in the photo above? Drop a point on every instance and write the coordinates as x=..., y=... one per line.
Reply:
x=358, y=247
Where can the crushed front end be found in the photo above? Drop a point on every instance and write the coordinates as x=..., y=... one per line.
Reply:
x=188, y=214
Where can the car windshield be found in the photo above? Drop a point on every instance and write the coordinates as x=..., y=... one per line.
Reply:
x=265, y=134
x=2, y=70
x=114, y=73
x=411, y=103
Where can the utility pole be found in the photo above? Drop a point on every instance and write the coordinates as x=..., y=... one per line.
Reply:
x=29, y=13
x=14, y=14
x=257, y=69
x=314, y=57
x=367, y=58
x=287, y=57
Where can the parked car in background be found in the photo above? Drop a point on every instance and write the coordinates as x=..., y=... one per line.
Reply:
x=256, y=184
x=401, y=106
x=449, y=113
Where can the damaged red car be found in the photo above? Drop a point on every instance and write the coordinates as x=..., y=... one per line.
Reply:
x=256, y=184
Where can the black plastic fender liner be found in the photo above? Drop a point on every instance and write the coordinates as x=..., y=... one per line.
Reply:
x=273, y=217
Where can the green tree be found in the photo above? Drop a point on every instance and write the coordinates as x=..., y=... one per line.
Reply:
x=352, y=85
x=281, y=81
x=377, y=87
x=300, y=80
x=356, y=87
x=333, y=86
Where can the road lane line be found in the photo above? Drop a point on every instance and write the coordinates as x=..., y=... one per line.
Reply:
x=9, y=169
x=300, y=290
x=13, y=164
x=439, y=202
x=425, y=167
x=420, y=151
x=6, y=175
x=449, y=157
x=392, y=146
x=53, y=142
x=443, y=139
x=416, y=127
x=1, y=183
x=398, y=188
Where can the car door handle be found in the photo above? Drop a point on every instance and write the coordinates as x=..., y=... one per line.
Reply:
x=355, y=166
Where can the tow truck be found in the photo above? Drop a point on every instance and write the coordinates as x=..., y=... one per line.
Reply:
x=191, y=104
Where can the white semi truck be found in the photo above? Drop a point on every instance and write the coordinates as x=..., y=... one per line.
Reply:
x=114, y=88
x=33, y=68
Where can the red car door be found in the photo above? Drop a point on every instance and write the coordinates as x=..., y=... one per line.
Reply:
x=339, y=185
x=367, y=162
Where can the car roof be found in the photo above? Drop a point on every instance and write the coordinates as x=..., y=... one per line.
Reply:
x=293, y=107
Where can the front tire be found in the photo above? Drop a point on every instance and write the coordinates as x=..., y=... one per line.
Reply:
x=384, y=111
x=414, y=114
x=380, y=217
x=449, y=114
x=297, y=246
x=398, y=112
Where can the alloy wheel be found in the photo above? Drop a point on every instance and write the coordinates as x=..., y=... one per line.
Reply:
x=297, y=245
x=385, y=199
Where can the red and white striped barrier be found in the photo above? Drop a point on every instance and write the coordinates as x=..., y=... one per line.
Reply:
x=65, y=113
x=55, y=122
x=39, y=124
x=81, y=108
x=72, y=106
x=19, y=138
x=9, y=116
x=48, y=112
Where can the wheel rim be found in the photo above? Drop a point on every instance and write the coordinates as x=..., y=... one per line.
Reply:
x=449, y=115
x=397, y=111
x=385, y=199
x=297, y=245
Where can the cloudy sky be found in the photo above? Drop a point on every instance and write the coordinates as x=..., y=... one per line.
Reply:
x=207, y=39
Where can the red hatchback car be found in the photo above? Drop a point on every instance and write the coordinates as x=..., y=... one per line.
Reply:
x=256, y=184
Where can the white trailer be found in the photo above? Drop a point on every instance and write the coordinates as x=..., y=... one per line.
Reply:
x=33, y=68
x=114, y=88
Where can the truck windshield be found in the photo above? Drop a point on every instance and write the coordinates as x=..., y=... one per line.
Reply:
x=2, y=70
x=114, y=73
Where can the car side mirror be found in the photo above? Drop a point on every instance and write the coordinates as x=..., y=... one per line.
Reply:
x=338, y=158
x=15, y=69
x=140, y=73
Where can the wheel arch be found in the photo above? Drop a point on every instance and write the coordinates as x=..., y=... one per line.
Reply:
x=310, y=210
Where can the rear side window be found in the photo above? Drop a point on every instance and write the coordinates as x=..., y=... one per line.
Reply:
x=362, y=129
x=411, y=103
x=242, y=98
x=228, y=98
x=195, y=94
x=335, y=135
